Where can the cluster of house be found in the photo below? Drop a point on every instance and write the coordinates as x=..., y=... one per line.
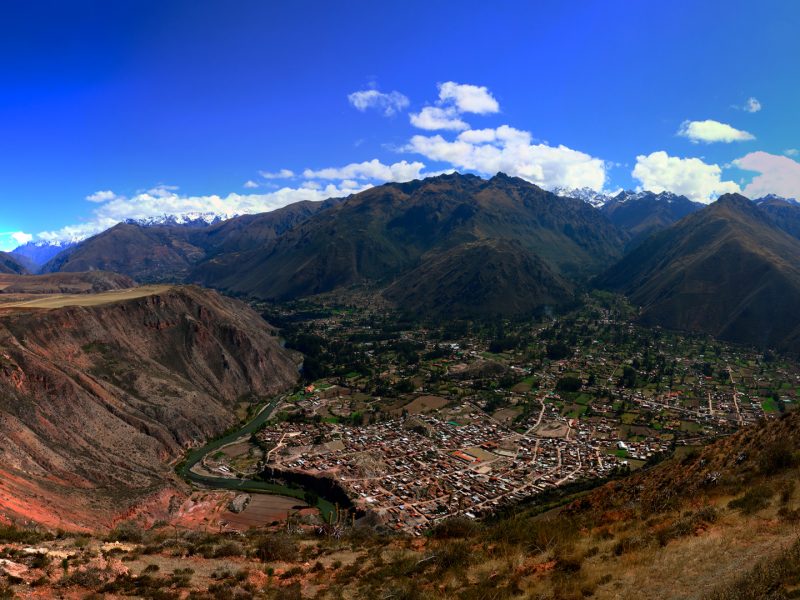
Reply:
x=415, y=470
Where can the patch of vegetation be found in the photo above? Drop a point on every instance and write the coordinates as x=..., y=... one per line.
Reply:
x=755, y=499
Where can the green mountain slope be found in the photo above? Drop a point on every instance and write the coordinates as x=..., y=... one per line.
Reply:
x=726, y=270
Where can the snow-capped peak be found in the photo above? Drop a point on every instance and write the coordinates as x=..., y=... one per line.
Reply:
x=628, y=195
x=588, y=195
x=40, y=251
x=49, y=243
x=192, y=219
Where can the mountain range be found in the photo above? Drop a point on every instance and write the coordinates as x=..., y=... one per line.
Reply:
x=459, y=245
x=165, y=250
x=387, y=232
x=9, y=263
x=728, y=270
x=641, y=214
x=35, y=254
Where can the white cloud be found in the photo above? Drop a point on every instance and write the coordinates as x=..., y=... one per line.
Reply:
x=468, y=98
x=792, y=152
x=776, y=175
x=21, y=238
x=478, y=136
x=163, y=200
x=12, y=239
x=432, y=118
x=752, y=105
x=709, y=131
x=691, y=177
x=454, y=100
x=250, y=184
x=373, y=169
x=282, y=174
x=510, y=150
x=101, y=196
x=390, y=104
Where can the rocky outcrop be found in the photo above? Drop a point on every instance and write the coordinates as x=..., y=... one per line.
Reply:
x=95, y=401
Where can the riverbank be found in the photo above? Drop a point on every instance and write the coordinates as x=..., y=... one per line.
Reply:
x=253, y=486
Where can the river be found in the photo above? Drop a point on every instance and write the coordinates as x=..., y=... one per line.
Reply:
x=253, y=486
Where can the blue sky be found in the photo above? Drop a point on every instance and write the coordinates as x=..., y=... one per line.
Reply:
x=111, y=110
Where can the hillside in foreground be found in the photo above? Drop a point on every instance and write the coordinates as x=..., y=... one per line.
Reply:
x=713, y=524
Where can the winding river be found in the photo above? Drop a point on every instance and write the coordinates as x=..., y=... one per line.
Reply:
x=252, y=486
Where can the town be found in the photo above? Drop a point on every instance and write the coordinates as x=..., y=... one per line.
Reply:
x=418, y=423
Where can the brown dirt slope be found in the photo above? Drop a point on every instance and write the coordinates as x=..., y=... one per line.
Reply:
x=95, y=400
x=726, y=270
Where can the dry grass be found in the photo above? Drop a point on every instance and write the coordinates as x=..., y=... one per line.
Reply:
x=52, y=301
x=662, y=534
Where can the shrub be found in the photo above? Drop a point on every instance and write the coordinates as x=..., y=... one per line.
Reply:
x=293, y=572
x=454, y=527
x=687, y=524
x=777, y=456
x=88, y=578
x=276, y=548
x=787, y=491
x=630, y=543
x=40, y=560
x=12, y=534
x=453, y=555
x=536, y=535
x=754, y=500
x=126, y=532
x=228, y=549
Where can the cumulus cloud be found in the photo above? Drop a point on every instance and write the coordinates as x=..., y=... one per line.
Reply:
x=101, y=196
x=20, y=237
x=691, y=177
x=282, y=174
x=511, y=151
x=709, y=131
x=776, y=175
x=454, y=100
x=432, y=118
x=468, y=98
x=165, y=200
x=792, y=152
x=250, y=184
x=11, y=239
x=389, y=104
x=373, y=169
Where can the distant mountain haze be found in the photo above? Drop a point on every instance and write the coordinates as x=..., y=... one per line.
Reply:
x=12, y=264
x=36, y=254
x=166, y=250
